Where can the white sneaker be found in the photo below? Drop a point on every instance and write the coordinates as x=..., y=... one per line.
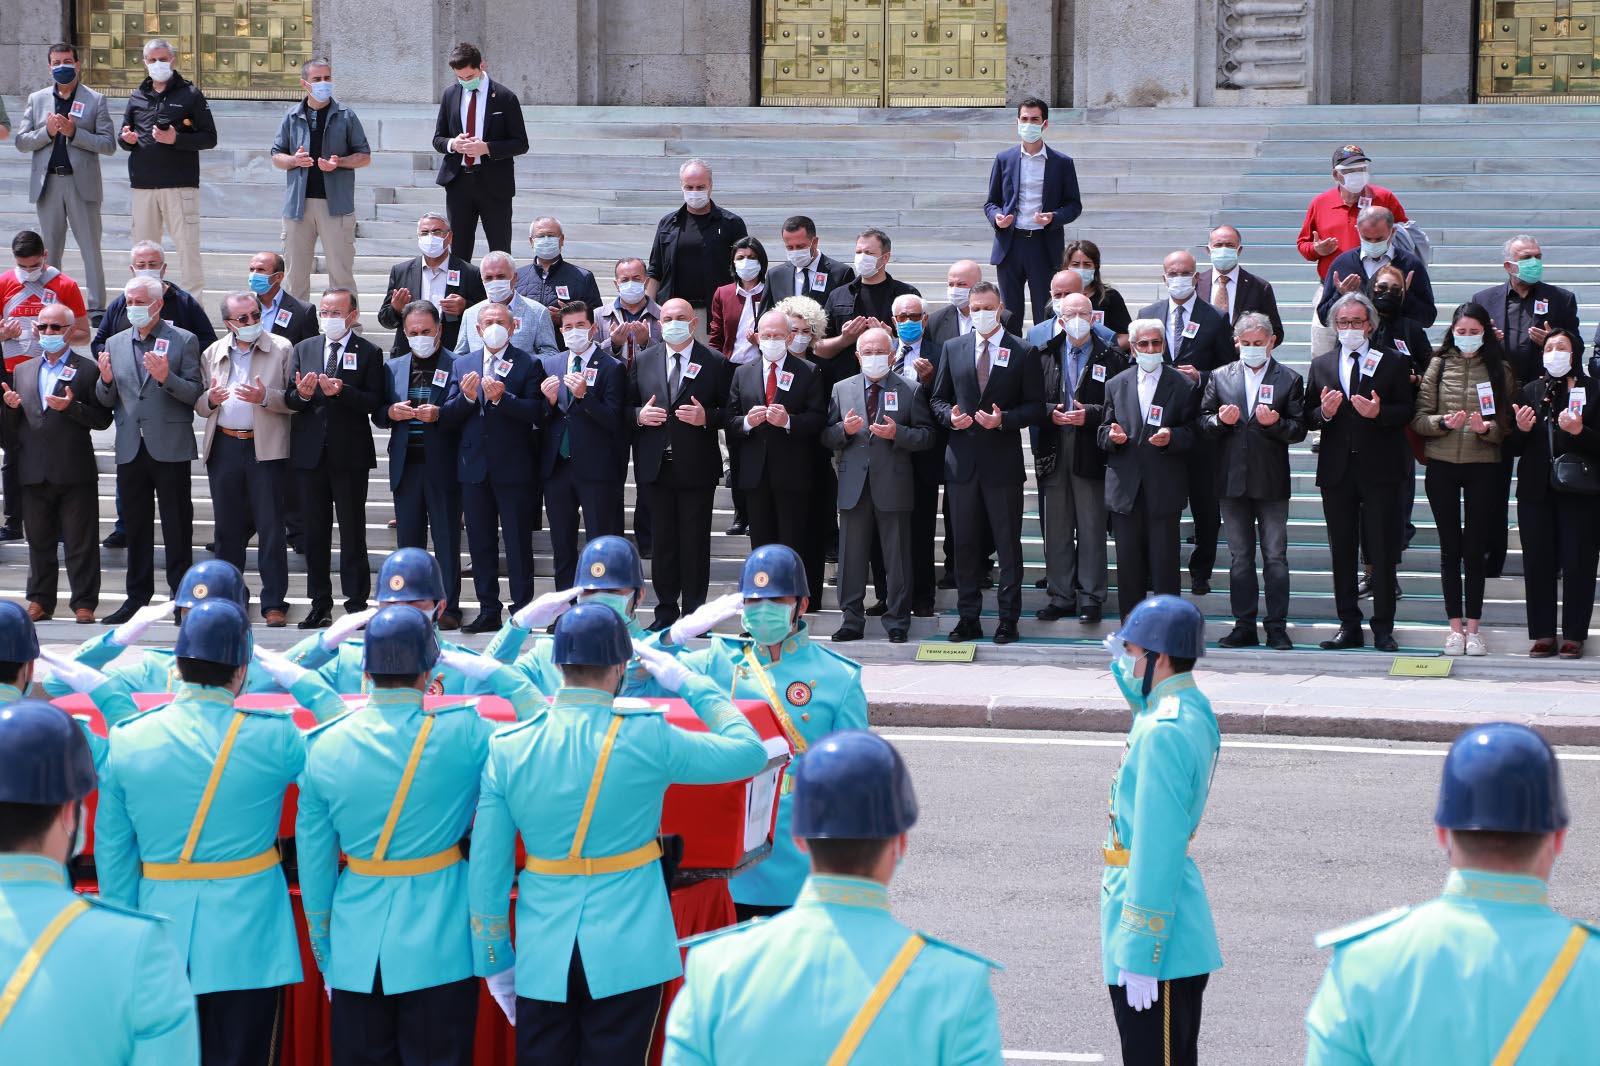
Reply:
x=1455, y=643
x=1475, y=644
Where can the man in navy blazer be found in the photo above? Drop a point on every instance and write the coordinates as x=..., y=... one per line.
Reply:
x=494, y=402
x=1033, y=193
x=1351, y=270
x=584, y=438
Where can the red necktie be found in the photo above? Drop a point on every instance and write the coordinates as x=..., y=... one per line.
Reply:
x=472, y=123
x=772, y=382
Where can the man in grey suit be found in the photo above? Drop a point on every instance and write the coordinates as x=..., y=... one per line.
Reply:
x=876, y=420
x=150, y=378
x=67, y=127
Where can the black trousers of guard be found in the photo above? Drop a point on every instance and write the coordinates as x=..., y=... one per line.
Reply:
x=585, y=1031
x=243, y=1028
x=425, y=1027
x=1167, y=1033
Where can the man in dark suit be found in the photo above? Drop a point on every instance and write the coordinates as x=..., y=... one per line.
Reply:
x=1351, y=270
x=941, y=326
x=1070, y=466
x=1360, y=398
x=1200, y=340
x=423, y=450
x=480, y=133
x=805, y=270
x=293, y=320
x=338, y=385
x=857, y=306
x=915, y=359
x=877, y=422
x=1033, y=193
x=676, y=394
x=494, y=402
x=1255, y=409
x=1148, y=425
x=987, y=390
x=584, y=438
x=1231, y=289
x=48, y=414
x=776, y=410
x=438, y=275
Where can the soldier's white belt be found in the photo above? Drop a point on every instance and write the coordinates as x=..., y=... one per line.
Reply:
x=439, y=860
x=212, y=871
x=605, y=864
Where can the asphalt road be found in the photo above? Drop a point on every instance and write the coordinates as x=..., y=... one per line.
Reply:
x=1299, y=837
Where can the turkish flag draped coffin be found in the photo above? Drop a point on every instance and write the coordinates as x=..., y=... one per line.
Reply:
x=724, y=827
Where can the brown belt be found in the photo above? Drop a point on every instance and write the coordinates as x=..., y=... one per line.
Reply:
x=237, y=434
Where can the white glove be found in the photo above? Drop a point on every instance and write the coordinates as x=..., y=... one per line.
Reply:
x=705, y=618
x=142, y=619
x=326, y=987
x=79, y=677
x=341, y=630
x=279, y=667
x=663, y=667
x=469, y=664
x=1142, y=991
x=503, y=987
x=545, y=609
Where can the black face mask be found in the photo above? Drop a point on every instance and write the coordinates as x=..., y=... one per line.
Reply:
x=1387, y=302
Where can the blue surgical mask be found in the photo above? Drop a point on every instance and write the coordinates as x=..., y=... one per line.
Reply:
x=1224, y=259
x=65, y=74
x=139, y=315
x=910, y=332
x=322, y=91
x=1122, y=672
x=767, y=621
x=620, y=602
x=675, y=331
x=52, y=342
x=1087, y=274
x=260, y=283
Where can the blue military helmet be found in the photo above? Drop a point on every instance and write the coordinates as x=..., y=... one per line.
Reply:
x=410, y=575
x=852, y=785
x=44, y=756
x=211, y=579
x=610, y=562
x=19, y=641
x=215, y=631
x=1167, y=624
x=773, y=571
x=1501, y=778
x=400, y=639
x=591, y=634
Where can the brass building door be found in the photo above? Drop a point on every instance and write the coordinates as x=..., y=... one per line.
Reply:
x=1545, y=51
x=883, y=53
x=239, y=50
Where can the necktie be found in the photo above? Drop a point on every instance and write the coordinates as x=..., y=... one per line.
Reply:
x=333, y=359
x=675, y=377
x=472, y=123
x=872, y=402
x=1355, y=375
x=900, y=364
x=983, y=365
x=772, y=382
x=802, y=280
x=1177, y=328
x=1219, y=298
x=1074, y=368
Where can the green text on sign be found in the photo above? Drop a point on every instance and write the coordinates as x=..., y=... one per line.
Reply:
x=945, y=652
x=1420, y=666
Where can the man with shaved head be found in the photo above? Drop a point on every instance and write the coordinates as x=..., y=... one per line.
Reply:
x=692, y=254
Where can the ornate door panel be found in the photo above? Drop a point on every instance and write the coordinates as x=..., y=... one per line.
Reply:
x=822, y=53
x=1538, y=50
x=949, y=53
x=233, y=49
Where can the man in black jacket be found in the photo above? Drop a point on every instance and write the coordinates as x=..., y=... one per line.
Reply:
x=692, y=254
x=1351, y=270
x=177, y=306
x=165, y=128
x=1360, y=399
x=857, y=306
x=479, y=133
x=339, y=383
x=805, y=271
x=293, y=320
x=1255, y=409
x=438, y=275
x=1233, y=290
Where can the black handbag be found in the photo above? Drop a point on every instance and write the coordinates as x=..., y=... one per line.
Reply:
x=1572, y=472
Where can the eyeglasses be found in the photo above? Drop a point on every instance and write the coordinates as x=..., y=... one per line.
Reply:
x=52, y=327
x=246, y=319
x=1385, y=290
x=906, y=316
x=1349, y=323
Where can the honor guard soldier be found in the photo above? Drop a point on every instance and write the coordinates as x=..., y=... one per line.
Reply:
x=812, y=690
x=393, y=785
x=836, y=972
x=1488, y=972
x=1158, y=943
x=84, y=981
x=187, y=828
x=412, y=576
x=595, y=933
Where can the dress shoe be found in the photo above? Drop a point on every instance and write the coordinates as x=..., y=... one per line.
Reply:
x=1364, y=585
x=319, y=617
x=297, y=545
x=117, y=539
x=450, y=622
x=466, y=571
x=1089, y=614
x=1042, y=583
x=355, y=606
x=484, y=623
x=1051, y=613
x=211, y=547
x=1242, y=636
x=831, y=555
x=646, y=550
x=897, y=636
x=1542, y=649
x=966, y=630
x=1006, y=633
x=987, y=580
x=1347, y=638
x=739, y=528
x=83, y=616
x=1572, y=649
x=923, y=610
x=1278, y=640
x=878, y=610
x=1200, y=588
x=393, y=523
x=275, y=619
x=947, y=580
x=841, y=636
x=121, y=614
x=1385, y=642
x=37, y=613
x=10, y=533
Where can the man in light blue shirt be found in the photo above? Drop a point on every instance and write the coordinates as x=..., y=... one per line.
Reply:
x=531, y=328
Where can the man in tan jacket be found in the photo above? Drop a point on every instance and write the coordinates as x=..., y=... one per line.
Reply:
x=246, y=449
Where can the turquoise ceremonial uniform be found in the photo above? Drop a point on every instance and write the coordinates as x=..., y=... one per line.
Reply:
x=784, y=991
x=413, y=926
x=1155, y=919
x=535, y=663
x=235, y=932
x=1446, y=982
x=341, y=669
x=536, y=780
x=814, y=691
x=110, y=988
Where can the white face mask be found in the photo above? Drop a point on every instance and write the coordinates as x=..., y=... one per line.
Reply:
x=1148, y=361
x=494, y=336
x=334, y=327
x=1030, y=132
x=985, y=322
x=696, y=198
x=26, y=276
x=1354, y=180
x=772, y=348
x=875, y=366
x=1352, y=339
x=631, y=291
x=1181, y=287
x=159, y=71
x=432, y=245
x=799, y=343
x=1077, y=328
x=957, y=294
x=498, y=290
x=149, y=272
x=1468, y=343
x=547, y=248
x=248, y=334
x=675, y=331
x=747, y=269
x=423, y=345
x=139, y=315
x=866, y=265
x=577, y=340
x=798, y=257
x=1557, y=363
x=1253, y=356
